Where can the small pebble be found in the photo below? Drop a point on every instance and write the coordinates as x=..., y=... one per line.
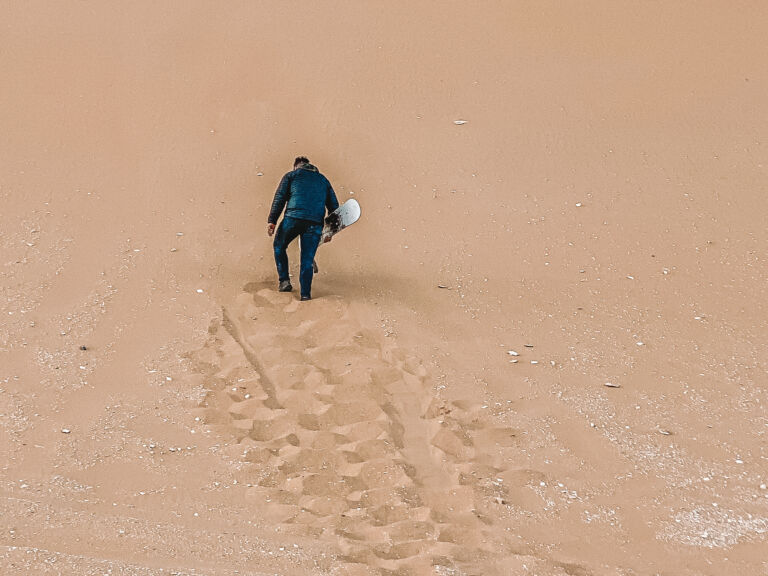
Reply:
x=83, y=347
x=65, y=430
x=459, y=122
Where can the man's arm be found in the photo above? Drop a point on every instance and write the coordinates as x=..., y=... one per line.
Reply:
x=278, y=203
x=331, y=203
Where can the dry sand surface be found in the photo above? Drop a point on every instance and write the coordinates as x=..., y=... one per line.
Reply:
x=540, y=351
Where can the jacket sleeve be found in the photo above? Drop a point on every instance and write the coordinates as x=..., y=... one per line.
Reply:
x=282, y=194
x=331, y=202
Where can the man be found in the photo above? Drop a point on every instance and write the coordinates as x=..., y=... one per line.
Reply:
x=305, y=194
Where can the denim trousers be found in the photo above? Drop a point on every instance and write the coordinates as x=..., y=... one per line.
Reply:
x=310, y=233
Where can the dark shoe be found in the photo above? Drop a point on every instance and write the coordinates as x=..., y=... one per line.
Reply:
x=306, y=298
x=285, y=286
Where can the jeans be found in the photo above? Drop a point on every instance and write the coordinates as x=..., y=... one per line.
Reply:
x=310, y=233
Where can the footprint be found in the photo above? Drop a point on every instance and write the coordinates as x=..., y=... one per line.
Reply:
x=345, y=438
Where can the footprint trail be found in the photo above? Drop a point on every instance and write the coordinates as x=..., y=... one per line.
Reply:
x=345, y=440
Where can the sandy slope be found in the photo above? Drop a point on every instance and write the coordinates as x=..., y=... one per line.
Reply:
x=601, y=213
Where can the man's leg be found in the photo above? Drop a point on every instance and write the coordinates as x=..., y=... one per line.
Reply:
x=310, y=240
x=286, y=232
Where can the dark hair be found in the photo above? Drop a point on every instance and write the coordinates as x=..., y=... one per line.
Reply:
x=300, y=160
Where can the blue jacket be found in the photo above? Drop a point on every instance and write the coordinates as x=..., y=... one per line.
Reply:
x=307, y=194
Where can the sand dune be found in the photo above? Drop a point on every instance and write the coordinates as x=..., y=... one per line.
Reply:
x=540, y=350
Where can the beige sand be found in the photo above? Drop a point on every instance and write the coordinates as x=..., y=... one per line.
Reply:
x=601, y=213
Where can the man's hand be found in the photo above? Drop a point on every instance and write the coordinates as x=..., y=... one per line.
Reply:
x=270, y=229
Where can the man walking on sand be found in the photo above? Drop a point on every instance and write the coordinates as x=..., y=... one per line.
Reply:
x=305, y=194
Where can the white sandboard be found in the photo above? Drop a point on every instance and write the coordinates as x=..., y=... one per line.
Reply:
x=345, y=215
